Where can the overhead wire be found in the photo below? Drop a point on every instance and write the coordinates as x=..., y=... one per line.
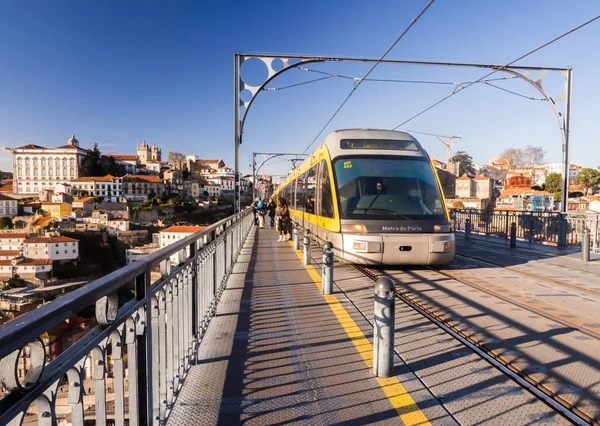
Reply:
x=498, y=69
x=358, y=83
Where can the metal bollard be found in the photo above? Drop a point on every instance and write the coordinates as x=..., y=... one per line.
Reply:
x=327, y=272
x=296, y=238
x=383, y=328
x=467, y=229
x=307, y=247
x=585, y=246
x=513, y=235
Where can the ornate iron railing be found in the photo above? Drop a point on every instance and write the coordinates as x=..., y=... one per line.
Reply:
x=533, y=227
x=141, y=349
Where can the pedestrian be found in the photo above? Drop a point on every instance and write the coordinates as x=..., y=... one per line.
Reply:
x=254, y=212
x=261, y=208
x=284, y=219
x=272, y=207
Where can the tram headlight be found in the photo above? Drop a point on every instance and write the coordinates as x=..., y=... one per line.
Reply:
x=354, y=228
x=441, y=228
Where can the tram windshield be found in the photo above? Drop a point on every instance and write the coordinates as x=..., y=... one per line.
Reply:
x=399, y=188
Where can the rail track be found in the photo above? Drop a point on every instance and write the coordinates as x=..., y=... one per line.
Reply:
x=539, y=390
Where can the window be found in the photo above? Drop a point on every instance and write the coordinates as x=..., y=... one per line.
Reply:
x=383, y=187
x=325, y=195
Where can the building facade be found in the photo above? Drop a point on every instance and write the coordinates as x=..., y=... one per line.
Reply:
x=140, y=187
x=109, y=187
x=52, y=248
x=173, y=234
x=8, y=206
x=36, y=168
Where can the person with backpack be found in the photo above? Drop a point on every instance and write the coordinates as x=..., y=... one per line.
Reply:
x=261, y=208
x=284, y=219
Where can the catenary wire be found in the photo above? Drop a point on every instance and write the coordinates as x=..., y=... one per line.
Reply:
x=414, y=21
x=499, y=69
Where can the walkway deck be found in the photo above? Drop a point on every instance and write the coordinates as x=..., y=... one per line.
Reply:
x=280, y=352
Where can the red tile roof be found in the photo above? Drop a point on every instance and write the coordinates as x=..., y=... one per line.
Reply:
x=69, y=147
x=31, y=146
x=6, y=188
x=9, y=252
x=124, y=157
x=185, y=229
x=107, y=178
x=6, y=198
x=84, y=200
x=34, y=262
x=46, y=240
x=6, y=235
x=146, y=178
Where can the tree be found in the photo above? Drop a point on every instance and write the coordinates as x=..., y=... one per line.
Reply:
x=554, y=184
x=465, y=162
x=185, y=173
x=177, y=158
x=533, y=156
x=589, y=178
x=6, y=222
x=91, y=163
x=513, y=158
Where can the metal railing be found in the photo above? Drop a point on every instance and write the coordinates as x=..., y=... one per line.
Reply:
x=533, y=227
x=141, y=349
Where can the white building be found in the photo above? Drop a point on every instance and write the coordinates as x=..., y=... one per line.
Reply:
x=226, y=183
x=145, y=152
x=110, y=187
x=138, y=253
x=173, y=234
x=130, y=163
x=12, y=241
x=8, y=206
x=52, y=248
x=26, y=268
x=36, y=168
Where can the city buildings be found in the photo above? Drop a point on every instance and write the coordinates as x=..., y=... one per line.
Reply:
x=140, y=187
x=109, y=187
x=52, y=248
x=175, y=233
x=36, y=168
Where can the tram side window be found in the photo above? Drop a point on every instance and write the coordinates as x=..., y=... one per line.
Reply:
x=325, y=191
x=310, y=191
x=301, y=192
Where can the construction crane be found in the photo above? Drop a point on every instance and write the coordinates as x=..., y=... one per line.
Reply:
x=439, y=137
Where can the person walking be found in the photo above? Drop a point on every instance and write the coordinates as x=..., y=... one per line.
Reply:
x=272, y=207
x=284, y=219
x=255, y=210
x=261, y=208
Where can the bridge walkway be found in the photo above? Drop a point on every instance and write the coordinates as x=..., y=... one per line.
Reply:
x=280, y=352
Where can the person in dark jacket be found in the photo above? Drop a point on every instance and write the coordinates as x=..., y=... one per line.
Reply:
x=272, y=207
x=284, y=218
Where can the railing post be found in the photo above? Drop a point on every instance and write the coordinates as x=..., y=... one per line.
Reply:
x=595, y=233
x=513, y=235
x=530, y=227
x=585, y=246
x=562, y=230
x=327, y=272
x=142, y=282
x=506, y=228
x=467, y=229
x=383, y=327
x=296, y=238
x=306, y=247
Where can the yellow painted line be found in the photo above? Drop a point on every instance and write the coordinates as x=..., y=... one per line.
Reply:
x=405, y=406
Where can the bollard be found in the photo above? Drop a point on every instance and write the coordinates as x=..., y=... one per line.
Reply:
x=467, y=229
x=327, y=272
x=296, y=239
x=383, y=328
x=307, y=247
x=513, y=235
x=585, y=246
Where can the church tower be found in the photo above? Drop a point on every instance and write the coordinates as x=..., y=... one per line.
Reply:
x=155, y=152
x=143, y=153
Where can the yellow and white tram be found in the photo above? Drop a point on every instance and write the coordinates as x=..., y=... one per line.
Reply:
x=376, y=196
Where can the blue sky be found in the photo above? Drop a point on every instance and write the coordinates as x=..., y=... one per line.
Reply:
x=118, y=72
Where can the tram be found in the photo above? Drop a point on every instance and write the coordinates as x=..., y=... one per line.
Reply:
x=376, y=196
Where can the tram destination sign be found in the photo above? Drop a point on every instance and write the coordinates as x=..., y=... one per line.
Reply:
x=384, y=144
